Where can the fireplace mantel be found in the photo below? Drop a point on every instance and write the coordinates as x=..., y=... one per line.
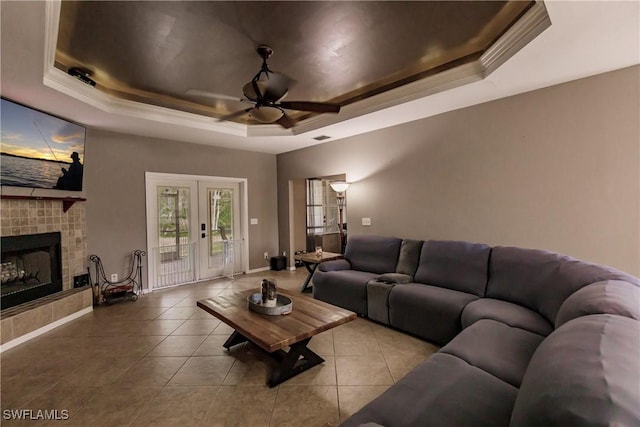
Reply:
x=67, y=202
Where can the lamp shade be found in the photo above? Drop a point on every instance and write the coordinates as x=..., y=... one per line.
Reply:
x=339, y=186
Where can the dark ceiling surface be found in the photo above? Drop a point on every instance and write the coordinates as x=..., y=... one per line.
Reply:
x=153, y=51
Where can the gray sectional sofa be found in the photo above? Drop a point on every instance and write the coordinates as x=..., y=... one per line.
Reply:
x=530, y=338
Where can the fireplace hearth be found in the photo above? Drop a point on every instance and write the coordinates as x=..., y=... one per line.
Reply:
x=31, y=268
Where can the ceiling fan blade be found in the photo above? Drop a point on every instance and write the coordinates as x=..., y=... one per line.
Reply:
x=317, y=107
x=234, y=115
x=205, y=94
x=286, y=121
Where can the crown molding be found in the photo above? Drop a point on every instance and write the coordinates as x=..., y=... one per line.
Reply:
x=527, y=28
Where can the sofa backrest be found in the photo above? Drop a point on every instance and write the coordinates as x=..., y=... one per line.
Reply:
x=409, y=257
x=375, y=254
x=542, y=280
x=461, y=266
x=607, y=297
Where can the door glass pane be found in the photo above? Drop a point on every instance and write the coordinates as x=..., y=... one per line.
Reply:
x=173, y=222
x=220, y=224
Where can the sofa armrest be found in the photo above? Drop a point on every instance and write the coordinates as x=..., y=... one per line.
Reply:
x=335, y=265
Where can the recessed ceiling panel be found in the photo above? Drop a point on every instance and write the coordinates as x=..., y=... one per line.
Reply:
x=341, y=52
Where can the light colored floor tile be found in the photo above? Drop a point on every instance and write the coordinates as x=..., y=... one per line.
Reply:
x=197, y=327
x=355, y=344
x=362, y=370
x=187, y=404
x=241, y=406
x=151, y=371
x=203, y=370
x=156, y=327
x=113, y=406
x=178, y=313
x=308, y=406
x=178, y=345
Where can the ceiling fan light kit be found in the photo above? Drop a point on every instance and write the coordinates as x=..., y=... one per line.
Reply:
x=266, y=91
x=266, y=114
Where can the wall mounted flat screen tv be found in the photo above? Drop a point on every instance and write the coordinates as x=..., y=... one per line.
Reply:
x=39, y=150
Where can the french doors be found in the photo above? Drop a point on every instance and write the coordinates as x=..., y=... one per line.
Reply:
x=195, y=228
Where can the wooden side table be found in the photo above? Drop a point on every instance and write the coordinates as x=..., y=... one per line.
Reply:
x=311, y=261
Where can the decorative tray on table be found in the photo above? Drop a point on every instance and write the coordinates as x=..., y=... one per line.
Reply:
x=284, y=305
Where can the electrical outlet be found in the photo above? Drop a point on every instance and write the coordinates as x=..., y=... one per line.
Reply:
x=266, y=256
x=366, y=221
x=114, y=277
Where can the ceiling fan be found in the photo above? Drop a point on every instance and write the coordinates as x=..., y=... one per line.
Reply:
x=266, y=91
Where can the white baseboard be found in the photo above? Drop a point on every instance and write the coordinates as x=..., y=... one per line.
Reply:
x=258, y=270
x=26, y=337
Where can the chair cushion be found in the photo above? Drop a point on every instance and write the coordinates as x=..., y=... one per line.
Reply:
x=508, y=313
x=375, y=254
x=431, y=312
x=442, y=391
x=586, y=373
x=607, y=297
x=499, y=349
x=461, y=266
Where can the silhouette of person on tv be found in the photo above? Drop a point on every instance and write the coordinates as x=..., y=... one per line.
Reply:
x=71, y=179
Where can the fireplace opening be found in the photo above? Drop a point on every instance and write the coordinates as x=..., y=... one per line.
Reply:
x=31, y=268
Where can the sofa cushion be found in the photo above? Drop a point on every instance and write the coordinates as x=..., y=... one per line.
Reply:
x=496, y=348
x=374, y=254
x=584, y=374
x=344, y=288
x=409, y=257
x=431, y=312
x=542, y=280
x=442, y=391
x=461, y=266
x=607, y=297
x=508, y=313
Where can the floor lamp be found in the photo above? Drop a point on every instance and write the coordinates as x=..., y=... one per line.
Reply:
x=340, y=187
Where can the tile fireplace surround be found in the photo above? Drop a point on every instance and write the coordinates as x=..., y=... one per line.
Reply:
x=21, y=217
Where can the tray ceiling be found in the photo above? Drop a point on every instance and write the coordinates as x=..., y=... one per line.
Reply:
x=356, y=54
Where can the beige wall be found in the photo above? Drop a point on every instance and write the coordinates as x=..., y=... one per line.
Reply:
x=115, y=166
x=557, y=168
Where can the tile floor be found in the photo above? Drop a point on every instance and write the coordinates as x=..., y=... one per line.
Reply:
x=159, y=361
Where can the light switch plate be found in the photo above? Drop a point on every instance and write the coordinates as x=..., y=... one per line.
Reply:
x=366, y=221
x=254, y=221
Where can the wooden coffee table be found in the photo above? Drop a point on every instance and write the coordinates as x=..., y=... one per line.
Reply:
x=274, y=333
